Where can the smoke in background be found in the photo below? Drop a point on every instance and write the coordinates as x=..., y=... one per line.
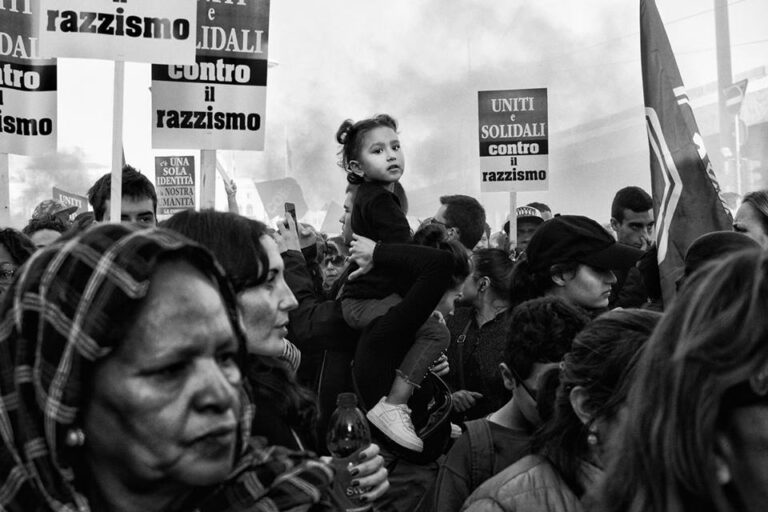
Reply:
x=66, y=169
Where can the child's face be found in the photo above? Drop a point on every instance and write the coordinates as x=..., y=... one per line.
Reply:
x=381, y=158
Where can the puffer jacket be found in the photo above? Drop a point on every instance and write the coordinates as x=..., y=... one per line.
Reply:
x=529, y=485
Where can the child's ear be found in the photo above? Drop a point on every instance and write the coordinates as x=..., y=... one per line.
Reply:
x=354, y=167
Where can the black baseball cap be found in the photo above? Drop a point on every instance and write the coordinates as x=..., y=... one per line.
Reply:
x=568, y=238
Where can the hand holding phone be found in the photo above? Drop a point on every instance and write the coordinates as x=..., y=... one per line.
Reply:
x=290, y=209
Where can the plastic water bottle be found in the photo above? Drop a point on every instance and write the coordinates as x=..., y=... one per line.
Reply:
x=348, y=435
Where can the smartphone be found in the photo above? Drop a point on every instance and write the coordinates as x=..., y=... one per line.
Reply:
x=290, y=209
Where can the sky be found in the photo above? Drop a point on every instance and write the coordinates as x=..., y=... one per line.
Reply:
x=421, y=61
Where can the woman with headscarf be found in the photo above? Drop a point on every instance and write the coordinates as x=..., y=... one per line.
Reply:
x=121, y=357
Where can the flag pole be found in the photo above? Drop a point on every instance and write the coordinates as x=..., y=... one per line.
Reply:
x=116, y=192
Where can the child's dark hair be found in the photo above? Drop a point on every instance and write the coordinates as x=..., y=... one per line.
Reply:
x=350, y=135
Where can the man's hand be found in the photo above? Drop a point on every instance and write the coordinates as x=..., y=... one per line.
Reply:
x=464, y=400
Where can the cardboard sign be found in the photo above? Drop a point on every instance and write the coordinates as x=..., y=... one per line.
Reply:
x=124, y=30
x=27, y=83
x=219, y=102
x=174, y=183
x=514, y=140
x=71, y=199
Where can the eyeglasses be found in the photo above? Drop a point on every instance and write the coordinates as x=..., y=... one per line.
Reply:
x=435, y=221
x=336, y=260
x=520, y=381
x=7, y=271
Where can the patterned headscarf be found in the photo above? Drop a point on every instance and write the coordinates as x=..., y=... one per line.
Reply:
x=58, y=318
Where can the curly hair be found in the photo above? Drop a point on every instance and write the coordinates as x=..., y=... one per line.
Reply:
x=541, y=332
x=351, y=134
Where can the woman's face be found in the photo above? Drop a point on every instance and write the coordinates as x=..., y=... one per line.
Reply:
x=7, y=269
x=588, y=287
x=447, y=303
x=265, y=308
x=747, y=456
x=331, y=267
x=165, y=404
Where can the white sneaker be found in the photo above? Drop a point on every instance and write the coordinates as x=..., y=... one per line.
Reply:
x=394, y=421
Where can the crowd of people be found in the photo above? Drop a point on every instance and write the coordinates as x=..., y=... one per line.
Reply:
x=193, y=364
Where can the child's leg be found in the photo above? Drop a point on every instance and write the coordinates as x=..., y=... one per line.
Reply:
x=431, y=340
x=391, y=414
x=358, y=313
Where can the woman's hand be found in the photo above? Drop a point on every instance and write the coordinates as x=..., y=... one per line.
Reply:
x=370, y=473
x=287, y=237
x=361, y=252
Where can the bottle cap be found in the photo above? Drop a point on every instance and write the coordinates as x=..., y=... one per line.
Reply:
x=346, y=400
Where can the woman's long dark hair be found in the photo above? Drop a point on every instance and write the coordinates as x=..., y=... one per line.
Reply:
x=235, y=241
x=711, y=339
x=601, y=360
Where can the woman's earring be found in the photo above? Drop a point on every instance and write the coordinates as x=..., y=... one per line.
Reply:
x=75, y=437
x=592, y=438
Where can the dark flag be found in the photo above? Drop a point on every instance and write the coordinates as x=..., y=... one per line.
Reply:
x=686, y=196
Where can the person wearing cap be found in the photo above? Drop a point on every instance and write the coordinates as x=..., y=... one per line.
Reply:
x=528, y=221
x=571, y=257
x=53, y=208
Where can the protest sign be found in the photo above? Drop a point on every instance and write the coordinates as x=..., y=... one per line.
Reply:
x=275, y=193
x=71, y=199
x=27, y=83
x=174, y=183
x=514, y=140
x=218, y=102
x=135, y=30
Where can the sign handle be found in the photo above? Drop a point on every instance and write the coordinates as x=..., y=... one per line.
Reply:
x=116, y=192
x=512, y=221
x=207, y=179
x=5, y=191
